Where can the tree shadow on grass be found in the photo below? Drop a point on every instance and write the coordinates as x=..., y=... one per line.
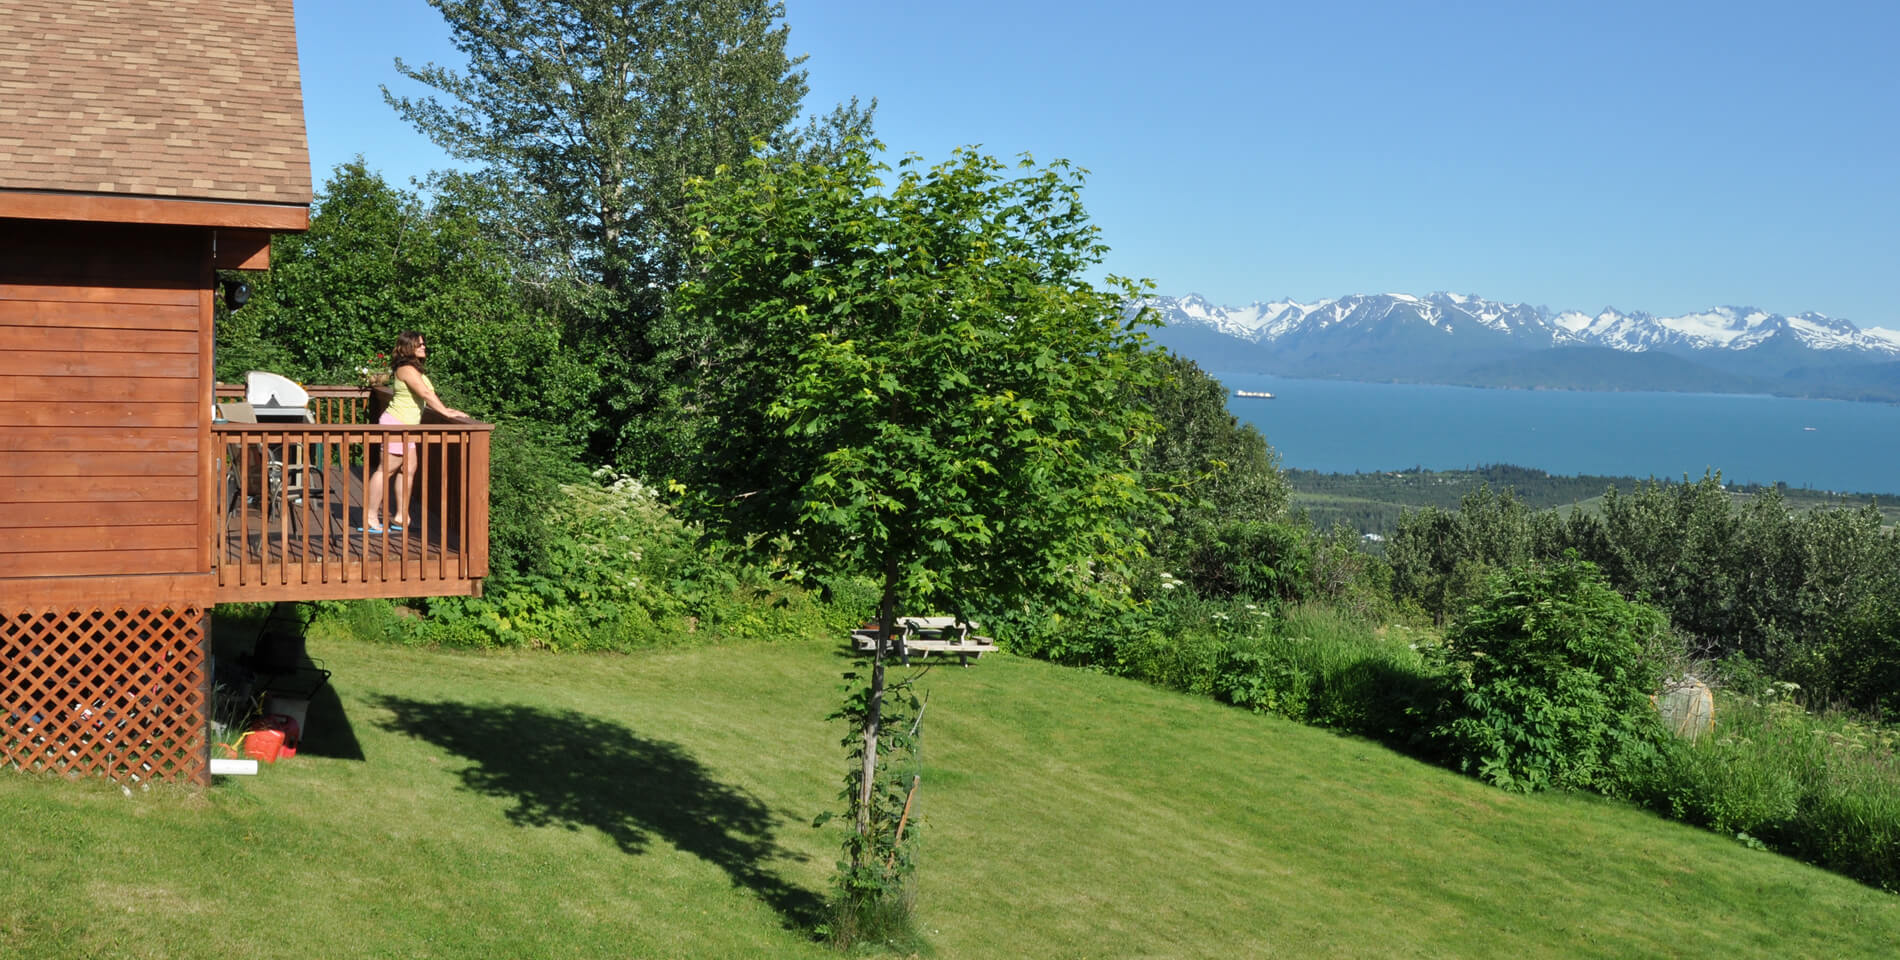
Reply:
x=567, y=769
x=327, y=730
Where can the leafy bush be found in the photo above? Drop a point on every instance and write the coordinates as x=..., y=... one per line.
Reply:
x=1343, y=575
x=1311, y=664
x=1173, y=639
x=1182, y=641
x=386, y=620
x=529, y=464
x=614, y=570
x=1441, y=559
x=1321, y=668
x=1864, y=655
x=1550, y=673
x=1810, y=597
x=1258, y=560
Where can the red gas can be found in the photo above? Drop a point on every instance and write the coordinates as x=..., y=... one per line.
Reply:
x=271, y=736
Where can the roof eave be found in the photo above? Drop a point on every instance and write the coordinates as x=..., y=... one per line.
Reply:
x=170, y=211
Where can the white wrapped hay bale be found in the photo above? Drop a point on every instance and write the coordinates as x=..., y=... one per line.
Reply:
x=1687, y=707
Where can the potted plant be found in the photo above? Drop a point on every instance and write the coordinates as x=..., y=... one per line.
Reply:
x=231, y=715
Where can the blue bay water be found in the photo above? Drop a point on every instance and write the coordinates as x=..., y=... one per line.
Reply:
x=1339, y=426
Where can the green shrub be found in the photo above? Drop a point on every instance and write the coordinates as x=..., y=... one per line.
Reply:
x=528, y=465
x=1323, y=668
x=1253, y=559
x=848, y=601
x=1173, y=639
x=1344, y=576
x=388, y=621
x=1312, y=664
x=1551, y=672
x=1865, y=656
x=1441, y=559
x=614, y=569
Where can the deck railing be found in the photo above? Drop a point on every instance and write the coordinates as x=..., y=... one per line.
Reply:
x=329, y=404
x=290, y=499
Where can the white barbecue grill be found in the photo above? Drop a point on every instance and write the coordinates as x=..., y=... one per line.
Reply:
x=276, y=398
x=284, y=472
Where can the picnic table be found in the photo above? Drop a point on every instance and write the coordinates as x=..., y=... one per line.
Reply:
x=926, y=635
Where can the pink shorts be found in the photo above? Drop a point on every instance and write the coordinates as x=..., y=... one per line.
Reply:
x=396, y=448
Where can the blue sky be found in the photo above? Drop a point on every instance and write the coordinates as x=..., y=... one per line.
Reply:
x=1660, y=156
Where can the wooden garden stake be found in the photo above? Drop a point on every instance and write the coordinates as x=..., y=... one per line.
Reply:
x=902, y=819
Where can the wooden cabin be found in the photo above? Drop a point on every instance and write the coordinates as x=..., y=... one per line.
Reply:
x=143, y=148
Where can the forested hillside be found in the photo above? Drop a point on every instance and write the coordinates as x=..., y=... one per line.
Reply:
x=1371, y=503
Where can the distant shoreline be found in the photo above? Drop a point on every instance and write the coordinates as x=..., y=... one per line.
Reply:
x=1545, y=388
x=1625, y=482
x=1372, y=503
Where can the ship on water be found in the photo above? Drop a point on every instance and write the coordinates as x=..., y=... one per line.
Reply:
x=1254, y=394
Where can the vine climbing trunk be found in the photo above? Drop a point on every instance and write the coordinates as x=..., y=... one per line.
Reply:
x=874, y=705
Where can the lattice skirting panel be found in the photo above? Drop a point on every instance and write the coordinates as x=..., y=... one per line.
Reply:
x=120, y=694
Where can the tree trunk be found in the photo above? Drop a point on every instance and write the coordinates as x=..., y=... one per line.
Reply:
x=873, y=715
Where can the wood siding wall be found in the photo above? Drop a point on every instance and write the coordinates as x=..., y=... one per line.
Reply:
x=105, y=343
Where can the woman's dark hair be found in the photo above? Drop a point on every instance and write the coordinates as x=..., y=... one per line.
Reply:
x=404, y=353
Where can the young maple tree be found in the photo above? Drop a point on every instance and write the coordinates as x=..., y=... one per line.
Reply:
x=914, y=382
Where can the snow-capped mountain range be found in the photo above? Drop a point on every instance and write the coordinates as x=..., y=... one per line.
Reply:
x=1453, y=338
x=1719, y=328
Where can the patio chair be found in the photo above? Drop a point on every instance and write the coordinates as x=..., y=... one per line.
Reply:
x=276, y=475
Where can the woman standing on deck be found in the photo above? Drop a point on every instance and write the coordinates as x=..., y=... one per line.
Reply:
x=412, y=393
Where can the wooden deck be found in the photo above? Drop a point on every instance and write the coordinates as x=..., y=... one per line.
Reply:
x=291, y=525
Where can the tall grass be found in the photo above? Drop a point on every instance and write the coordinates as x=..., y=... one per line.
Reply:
x=1822, y=787
x=1317, y=666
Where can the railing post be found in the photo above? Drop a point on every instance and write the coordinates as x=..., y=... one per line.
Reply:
x=475, y=541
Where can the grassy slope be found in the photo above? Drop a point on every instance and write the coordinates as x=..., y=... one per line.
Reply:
x=541, y=806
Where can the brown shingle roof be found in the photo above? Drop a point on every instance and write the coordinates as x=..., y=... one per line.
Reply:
x=193, y=99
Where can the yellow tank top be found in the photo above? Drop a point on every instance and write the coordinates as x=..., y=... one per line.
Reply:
x=404, y=405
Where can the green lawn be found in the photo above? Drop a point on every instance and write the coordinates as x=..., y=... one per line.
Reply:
x=658, y=805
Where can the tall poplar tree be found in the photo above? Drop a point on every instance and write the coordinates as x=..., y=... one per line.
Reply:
x=593, y=115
